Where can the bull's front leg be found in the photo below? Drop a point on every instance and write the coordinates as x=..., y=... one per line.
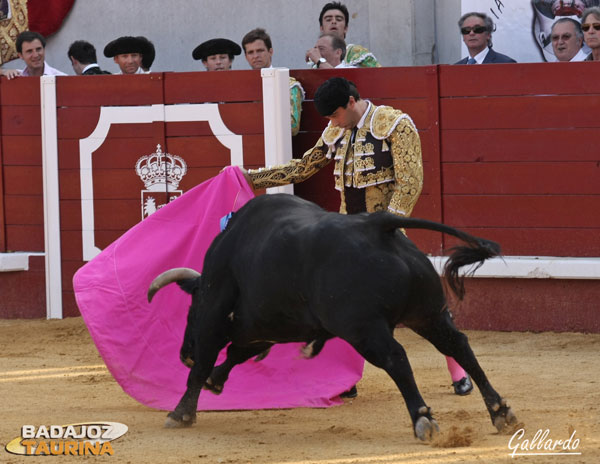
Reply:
x=205, y=354
x=184, y=415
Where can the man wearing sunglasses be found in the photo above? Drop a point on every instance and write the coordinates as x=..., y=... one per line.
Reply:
x=476, y=30
x=590, y=24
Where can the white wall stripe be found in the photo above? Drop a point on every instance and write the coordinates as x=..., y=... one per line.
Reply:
x=51, y=198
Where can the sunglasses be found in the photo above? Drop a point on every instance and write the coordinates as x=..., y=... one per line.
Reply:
x=586, y=27
x=475, y=29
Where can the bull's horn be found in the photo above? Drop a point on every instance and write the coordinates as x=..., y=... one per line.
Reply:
x=167, y=277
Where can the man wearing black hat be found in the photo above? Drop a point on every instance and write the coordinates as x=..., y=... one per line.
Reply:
x=128, y=53
x=217, y=54
x=376, y=149
x=148, y=57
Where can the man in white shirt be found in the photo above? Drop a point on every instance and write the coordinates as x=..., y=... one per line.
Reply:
x=328, y=53
x=567, y=40
x=128, y=52
x=31, y=47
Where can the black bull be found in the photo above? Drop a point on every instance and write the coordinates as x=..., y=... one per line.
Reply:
x=285, y=270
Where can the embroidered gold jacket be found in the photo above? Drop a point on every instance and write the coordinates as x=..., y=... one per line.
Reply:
x=385, y=159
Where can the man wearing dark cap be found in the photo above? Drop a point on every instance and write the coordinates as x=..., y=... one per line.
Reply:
x=128, y=53
x=217, y=54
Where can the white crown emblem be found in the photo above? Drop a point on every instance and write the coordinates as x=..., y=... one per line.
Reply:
x=159, y=169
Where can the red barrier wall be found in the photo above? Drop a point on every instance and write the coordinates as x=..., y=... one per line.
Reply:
x=519, y=162
x=508, y=154
x=20, y=139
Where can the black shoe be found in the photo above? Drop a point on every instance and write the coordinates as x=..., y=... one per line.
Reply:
x=352, y=393
x=463, y=386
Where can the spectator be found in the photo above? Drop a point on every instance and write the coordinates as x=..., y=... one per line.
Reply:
x=217, y=54
x=258, y=50
x=328, y=53
x=83, y=59
x=590, y=23
x=476, y=29
x=567, y=40
x=31, y=48
x=148, y=57
x=334, y=19
x=128, y=52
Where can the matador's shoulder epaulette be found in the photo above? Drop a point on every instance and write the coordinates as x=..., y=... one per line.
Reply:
x=384, y=121
x=332, y=134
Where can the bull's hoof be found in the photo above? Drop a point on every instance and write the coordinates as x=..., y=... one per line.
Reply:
x=505, y=419
x=173, y=423
x=209, y=385
x=426, y=429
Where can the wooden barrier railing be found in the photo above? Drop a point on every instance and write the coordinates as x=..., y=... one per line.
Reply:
x=508, y=151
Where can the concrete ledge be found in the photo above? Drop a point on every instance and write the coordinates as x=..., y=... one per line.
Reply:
x=533, y=267
x=11, y=262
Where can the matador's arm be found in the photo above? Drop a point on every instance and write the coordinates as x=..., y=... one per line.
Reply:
x=408, y=167
x=297, y=170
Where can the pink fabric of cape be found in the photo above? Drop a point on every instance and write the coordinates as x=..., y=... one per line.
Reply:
x=140, y=342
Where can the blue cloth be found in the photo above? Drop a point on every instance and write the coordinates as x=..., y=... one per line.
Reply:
x=224, y=220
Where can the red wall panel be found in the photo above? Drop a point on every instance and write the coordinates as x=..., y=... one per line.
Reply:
x=195, y=87
x=517, y=79
x=567, y=144
x=110, y=90
x=526, y=178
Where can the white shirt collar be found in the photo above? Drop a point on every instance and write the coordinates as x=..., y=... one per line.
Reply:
x=364, y=116
x=481, y=55
x=92, y=65
x=581, y=55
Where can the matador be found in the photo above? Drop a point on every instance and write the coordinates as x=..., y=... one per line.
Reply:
x=376, y=150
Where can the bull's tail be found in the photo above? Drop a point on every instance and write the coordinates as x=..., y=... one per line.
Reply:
x=476, y=251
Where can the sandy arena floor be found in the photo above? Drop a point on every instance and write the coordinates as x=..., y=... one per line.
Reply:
x=51, y=373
